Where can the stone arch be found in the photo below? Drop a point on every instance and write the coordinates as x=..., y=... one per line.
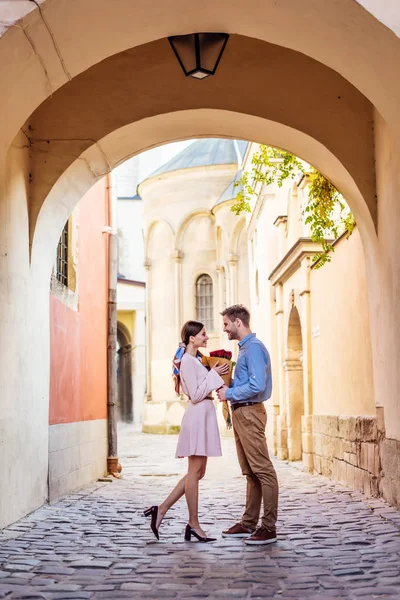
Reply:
x=123, y=334
x=180, y=234
x=63, y=168
x=132, y=139
x=199, y=252
x=293, y=366
x=149, y=231
x=310, y=30
x=124, y=373
x=234, y=240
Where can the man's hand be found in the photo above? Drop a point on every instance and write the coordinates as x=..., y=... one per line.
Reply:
x=221, y=393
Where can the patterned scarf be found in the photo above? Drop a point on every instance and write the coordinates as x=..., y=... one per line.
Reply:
x=176, y=365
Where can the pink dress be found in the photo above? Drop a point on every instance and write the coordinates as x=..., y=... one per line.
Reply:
x=199, y=433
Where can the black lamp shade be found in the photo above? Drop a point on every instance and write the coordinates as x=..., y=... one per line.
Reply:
x=199, y=53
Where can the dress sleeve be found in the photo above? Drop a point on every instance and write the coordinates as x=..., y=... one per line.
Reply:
x=198, y=381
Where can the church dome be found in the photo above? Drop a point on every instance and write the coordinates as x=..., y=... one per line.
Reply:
x=205, y=152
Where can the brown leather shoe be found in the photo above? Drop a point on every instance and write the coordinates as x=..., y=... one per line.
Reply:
x=261, y=536
x=237, y=531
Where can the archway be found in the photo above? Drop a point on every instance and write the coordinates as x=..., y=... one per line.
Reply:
x=135, y=137
x=71, y=137
x=124, y=374
x=293, y=366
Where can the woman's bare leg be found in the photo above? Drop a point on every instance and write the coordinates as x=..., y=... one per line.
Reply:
x=173, y=497
x=196, y=470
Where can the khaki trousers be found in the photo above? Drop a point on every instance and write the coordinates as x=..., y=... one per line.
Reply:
x=249, y=428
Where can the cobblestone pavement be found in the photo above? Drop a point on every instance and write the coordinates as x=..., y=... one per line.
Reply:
x=333, y=543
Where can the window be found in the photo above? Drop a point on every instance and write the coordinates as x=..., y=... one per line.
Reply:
x=62, y=257
x=204, y=301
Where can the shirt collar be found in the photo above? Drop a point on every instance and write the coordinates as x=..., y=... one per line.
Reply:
x=246, y=339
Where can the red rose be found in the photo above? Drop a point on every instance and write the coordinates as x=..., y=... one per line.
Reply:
x=222, y=354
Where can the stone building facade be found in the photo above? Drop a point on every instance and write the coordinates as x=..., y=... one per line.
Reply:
x=323, y=410
x=196, y=261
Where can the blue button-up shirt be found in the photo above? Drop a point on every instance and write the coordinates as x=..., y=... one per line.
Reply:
x=253, y=377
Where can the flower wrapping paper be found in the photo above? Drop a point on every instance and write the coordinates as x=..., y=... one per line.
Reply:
x=220, y=357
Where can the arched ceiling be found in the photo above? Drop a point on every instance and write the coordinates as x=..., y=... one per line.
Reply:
x=132, y=139
x=278, y=85
x=49, y=47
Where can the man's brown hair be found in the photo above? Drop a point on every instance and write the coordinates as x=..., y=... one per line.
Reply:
x=237, y=311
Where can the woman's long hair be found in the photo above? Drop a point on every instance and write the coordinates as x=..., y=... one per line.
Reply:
x=190, y=328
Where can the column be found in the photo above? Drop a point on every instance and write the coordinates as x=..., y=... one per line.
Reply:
x=294, y=406
x=221, y=298
x=308, y=450
x=233, y=288
x=177, y=256
x=147, y=266
x=281, y=418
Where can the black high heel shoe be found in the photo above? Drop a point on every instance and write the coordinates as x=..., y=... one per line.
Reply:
x=153, y=512
x=189, y=531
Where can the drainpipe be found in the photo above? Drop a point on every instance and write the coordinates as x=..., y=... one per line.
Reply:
x=113, y=465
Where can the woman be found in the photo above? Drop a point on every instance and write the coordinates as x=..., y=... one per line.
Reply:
x=199, y=435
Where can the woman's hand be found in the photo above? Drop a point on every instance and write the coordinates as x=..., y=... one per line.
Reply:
x=222, y=370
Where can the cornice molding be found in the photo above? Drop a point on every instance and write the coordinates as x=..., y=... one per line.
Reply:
x=291, y=262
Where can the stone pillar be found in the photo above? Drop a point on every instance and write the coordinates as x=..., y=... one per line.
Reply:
x=281, y=224
x=147, y=266
x=177, y=256
x=221, y=296
x=282, y=451
x=232, y=262
x=307, y=437
x=294, y=403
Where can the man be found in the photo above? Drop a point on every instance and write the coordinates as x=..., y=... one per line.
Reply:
x=252, y=385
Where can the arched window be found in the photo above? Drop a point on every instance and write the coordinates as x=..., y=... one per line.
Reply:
x=204, y=301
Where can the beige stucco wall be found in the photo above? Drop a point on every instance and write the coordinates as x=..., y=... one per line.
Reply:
x=385, y=299
x=341, y=346
x=24, y=370
x=77, y=455
x=162, y=334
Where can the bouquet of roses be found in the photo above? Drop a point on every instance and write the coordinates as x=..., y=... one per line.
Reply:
x=221, y=357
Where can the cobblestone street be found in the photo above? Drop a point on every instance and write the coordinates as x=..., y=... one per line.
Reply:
x=332, y=542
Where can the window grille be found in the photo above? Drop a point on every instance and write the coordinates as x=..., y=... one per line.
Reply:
x=205, y=301
x=62, y=257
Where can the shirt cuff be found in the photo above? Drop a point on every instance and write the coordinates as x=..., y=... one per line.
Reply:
x=229, y=394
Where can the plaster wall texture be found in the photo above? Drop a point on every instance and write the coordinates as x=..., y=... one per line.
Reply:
x=385, y=316
x=312, y=31
x=78, y=339
x=130, y=237
x=341, y=347
x=24, y=306
x=130, y=297
x=262, y=253
x=78, y=359
x=77, y=455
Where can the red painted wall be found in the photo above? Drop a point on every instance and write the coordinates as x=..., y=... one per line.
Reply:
x=78, y=340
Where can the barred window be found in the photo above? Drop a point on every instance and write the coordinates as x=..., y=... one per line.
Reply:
x=204, y=301
x=62, y=257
